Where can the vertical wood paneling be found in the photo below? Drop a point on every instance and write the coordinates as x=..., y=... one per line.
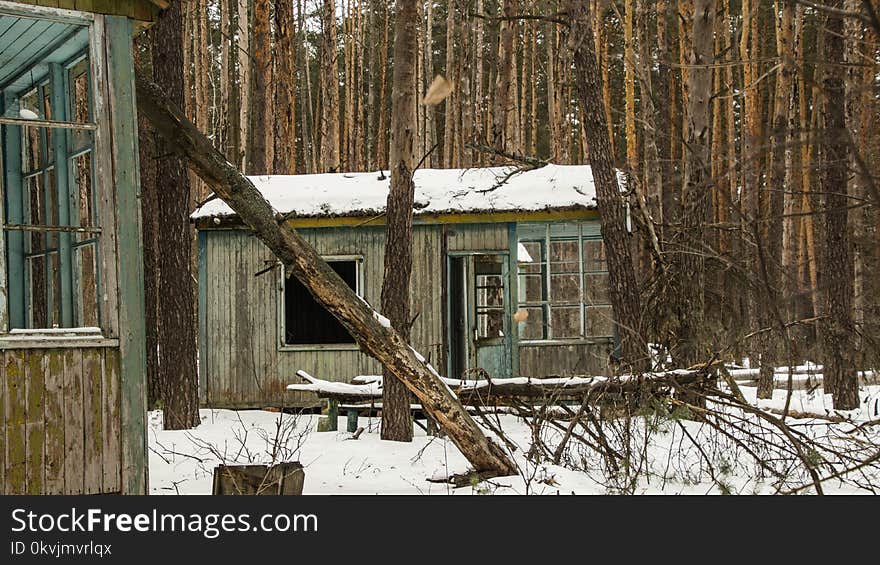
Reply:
x=16, y=414
x=54, y=414
x=93, y=421
x=112, y=436
x=74, y=432
x=243, y=364
x=35, y=383
x=477, y=237
x=120, y=70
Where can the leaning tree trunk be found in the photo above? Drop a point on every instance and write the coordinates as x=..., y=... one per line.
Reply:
x=396, y=417
x=177, y=332
x=624, y=289
x=383, y=343
x=839, y=372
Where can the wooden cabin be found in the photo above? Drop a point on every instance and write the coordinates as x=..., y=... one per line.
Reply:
x=509, y=279
x=72, y=373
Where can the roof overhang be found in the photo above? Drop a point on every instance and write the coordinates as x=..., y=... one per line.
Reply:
x=554, y=215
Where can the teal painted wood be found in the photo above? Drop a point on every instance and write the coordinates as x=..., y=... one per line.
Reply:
x=203, y=316
x=477, y=237
x=14, y=215
x=513, y=297
x=67, y=199
x=120, y=76
x=351, y=420
x=333, y=415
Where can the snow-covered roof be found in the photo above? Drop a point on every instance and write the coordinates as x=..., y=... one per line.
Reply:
x=438, y=191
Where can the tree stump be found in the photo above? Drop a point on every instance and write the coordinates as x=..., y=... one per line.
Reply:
x=281, y=479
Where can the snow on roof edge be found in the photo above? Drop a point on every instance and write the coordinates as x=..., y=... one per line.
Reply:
x=438, y=192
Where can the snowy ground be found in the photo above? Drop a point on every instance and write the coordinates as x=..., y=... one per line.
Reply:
x=182, y=462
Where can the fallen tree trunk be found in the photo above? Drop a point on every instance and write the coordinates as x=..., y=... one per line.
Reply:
x=502, y=391
x=372, y=335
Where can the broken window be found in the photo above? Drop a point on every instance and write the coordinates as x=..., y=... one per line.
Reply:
x=306, y=322
x=563, y=283
x=50, y=226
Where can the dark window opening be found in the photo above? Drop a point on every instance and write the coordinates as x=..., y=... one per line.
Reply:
x=305, y=321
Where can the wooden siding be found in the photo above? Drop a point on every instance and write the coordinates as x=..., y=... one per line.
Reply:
x=244, y=364
x=477, y=237
x=60, y=411
x=141, y=10
x=564, y=360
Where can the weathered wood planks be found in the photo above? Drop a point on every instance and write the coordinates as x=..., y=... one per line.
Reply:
x=60, y=421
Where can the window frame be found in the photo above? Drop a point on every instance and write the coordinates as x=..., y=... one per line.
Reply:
x=105, y=333
x=281, y=322
x=546, y=304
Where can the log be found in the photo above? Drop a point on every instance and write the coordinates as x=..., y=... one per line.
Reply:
x=383, y=343
x=503, y=391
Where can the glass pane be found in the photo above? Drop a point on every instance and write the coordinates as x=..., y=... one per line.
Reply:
x=564, y=257
x=533, y=325
x=53, y=278
x=36, y=201
x=33, y=155
x=565, y=289
x=565, y=322
x=82, y=175
x=594, y=256
x=38, y=309
x=531, y=260
x=86, y=286
x=596, y=289
x=599, y=321
x=80, y=103
x=490, y=324
x=531, y=288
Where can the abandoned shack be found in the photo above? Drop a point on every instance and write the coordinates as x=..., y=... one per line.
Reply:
x=509, y=279
x=72, y=373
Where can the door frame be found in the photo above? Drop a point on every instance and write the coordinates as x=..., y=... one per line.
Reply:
x=470, y=309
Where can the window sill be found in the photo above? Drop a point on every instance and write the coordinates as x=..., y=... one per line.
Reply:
x=319, y=347
x=50, y=339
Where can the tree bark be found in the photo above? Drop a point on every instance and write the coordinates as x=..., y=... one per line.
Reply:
x=624, y=289
x=177, y=332
x=382, y=343
x=258, y=160
x=839, y=372
x=149, y=231
x=284, y=155
x=329, y=89
x=396, y=417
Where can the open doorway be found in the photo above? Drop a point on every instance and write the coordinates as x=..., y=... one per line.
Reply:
x=479, y=325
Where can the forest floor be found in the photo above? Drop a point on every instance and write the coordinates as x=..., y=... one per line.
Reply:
x=666, y=454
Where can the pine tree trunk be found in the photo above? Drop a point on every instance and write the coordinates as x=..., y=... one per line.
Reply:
x=258, y=159
x=624, y=290
x=839, y=372
x=177, y=332
x=149, y=231
x=396, y=417
x=329, y=89
x=690, y=272
x=244, y=82
x=284, y=154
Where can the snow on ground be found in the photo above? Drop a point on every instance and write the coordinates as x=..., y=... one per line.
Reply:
x=182, y=462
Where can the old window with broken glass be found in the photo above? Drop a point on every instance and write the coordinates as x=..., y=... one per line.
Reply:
x=563, y=283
